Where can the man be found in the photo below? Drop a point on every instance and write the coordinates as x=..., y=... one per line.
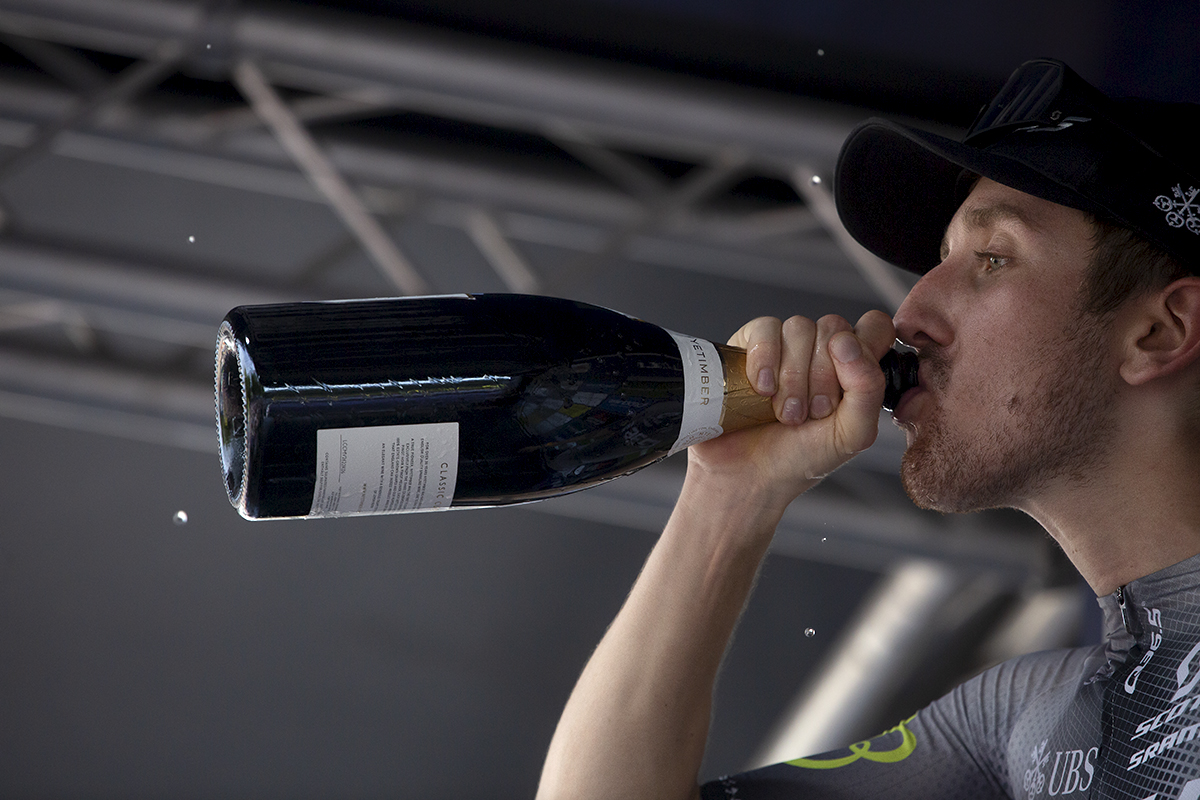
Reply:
x=1057, y=321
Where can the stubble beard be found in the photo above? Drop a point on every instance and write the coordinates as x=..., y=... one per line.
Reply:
x=1054, y=433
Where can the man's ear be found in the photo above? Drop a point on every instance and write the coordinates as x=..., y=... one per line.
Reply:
x=1163, y=332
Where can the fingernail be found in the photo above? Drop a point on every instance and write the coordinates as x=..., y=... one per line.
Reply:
x=820, y=407
x=845, y=349
x=791, y=409
x=766, y=381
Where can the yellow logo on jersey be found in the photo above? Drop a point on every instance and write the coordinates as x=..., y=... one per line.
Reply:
x=908, y=743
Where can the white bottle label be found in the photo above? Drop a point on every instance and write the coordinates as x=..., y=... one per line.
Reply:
x=385, y=469
x=703, y=391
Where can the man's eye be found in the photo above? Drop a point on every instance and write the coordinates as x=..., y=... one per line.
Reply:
x=992, y=261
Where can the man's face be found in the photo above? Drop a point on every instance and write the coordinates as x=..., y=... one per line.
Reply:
x=1015, y=393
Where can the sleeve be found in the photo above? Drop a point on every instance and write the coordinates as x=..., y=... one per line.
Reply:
x=956, y=747
x=944, y=751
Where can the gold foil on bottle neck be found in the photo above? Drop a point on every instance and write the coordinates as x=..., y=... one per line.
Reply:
x=743, y=407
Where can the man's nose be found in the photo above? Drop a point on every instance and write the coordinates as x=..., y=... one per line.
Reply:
x=921, y=318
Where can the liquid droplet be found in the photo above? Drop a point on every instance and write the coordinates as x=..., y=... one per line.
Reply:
x=820, y=52
x=180, y=518
x=810, y=632
x=824, y=539
x=192, y=239
x=816, y=180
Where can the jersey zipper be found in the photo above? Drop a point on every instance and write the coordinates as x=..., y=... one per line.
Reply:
x=1128, y=615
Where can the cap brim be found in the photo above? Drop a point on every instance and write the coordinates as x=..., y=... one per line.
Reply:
x=897, y=188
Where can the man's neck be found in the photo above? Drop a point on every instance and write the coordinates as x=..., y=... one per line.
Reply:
x=1137, y=516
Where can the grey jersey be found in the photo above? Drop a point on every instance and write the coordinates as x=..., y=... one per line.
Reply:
x=1117, y=720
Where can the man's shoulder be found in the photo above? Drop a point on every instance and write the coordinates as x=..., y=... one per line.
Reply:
x=1042, y=670
x=996, y=696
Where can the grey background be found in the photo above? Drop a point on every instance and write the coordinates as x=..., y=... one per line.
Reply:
x=429, y=655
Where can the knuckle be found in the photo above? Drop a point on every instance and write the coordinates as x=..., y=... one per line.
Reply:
x=792, y=374
x=763, y=323
x=832, y=323
x=858, y=441
x=875, y=317
x=876, y=328
x=798, y=326
x=764, y=330
x=756, y=333
x=793, y=383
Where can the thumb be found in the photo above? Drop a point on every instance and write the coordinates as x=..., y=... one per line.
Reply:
x=862, y=381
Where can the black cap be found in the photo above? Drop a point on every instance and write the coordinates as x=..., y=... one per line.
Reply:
x=1047, y=133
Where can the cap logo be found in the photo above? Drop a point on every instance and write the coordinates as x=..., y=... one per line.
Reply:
x=1183, y=209
x=1061, y=126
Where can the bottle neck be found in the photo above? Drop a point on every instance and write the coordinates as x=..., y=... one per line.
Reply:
x=743, y=407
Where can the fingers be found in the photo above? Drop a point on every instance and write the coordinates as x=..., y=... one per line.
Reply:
x=789, y=361
x=798, y=338
x=794, y=362
x=855, y=356
x=823, y=388
x=877, y=332
x=761, y=339
x=778, y=360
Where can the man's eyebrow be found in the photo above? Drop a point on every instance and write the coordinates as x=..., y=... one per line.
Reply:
x=988, y=215
x=983, y=216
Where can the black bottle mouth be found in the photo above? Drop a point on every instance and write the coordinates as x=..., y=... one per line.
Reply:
x=900, y=371
x=231, y=414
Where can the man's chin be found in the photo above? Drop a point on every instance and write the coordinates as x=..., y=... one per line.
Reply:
x=936, y=480
x=917, y=484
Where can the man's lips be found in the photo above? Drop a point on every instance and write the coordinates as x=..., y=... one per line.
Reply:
x=908, y=409
x=905, y=409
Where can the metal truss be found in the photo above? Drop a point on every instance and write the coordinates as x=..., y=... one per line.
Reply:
x=629, y=167
x=122, y=339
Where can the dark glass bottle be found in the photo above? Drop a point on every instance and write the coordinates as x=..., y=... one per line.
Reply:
x=383, y=406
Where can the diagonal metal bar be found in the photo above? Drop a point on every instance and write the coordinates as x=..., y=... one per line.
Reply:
x=63, y=63
x=752, y=227
x=881, y=277
x=461, y=79
x=307, y=154
x=665, y=205
x=500, y=254
x=32, y=313
x=705, y=179
x=131, y=81
x=637, y=180
x=894, y=626
x=320, y=108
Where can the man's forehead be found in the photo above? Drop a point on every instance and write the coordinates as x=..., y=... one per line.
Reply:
x=990, y=204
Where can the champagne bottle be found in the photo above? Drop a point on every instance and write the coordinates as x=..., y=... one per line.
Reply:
x=384, y=406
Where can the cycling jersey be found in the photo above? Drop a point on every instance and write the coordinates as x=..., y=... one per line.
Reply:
x=1117, y=720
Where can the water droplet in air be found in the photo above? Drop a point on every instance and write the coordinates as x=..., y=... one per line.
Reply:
x=180, y=518
x=192, y=239
x=820, y=52
x=824, y=539
x=816, y=180
x=809, y=632
x=208, y=47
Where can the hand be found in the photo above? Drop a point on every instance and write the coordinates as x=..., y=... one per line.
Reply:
x=827, y=390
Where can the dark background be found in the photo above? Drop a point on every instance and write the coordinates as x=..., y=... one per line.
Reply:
x=429, y=655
